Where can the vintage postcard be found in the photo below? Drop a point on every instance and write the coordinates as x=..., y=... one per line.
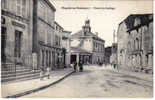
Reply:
x=76, y=48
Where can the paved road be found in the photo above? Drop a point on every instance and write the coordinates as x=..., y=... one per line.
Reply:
x=97, y=82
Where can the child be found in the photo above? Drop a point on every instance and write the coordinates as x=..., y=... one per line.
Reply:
x=42, y=74
x=48, y=72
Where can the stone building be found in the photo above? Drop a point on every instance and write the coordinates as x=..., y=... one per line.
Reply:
x=90, y=42
x=16, y=40
x=78, y=54
x=108, y=52
x=43, y=33
x=60, y=52
x=122, y=38
x=135, y=42
x=16, y=31
x=66, y=44
x=113, y=57
x=47, y=36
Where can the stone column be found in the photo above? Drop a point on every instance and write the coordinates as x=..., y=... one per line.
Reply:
x=77, y=57
x=44, y=58
x=144, y=60
x=47, y=58
x=40, y=63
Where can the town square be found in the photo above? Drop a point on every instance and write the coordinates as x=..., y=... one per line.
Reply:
x=76, y=49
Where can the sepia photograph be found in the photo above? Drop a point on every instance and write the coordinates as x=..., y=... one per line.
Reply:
x=77, y=49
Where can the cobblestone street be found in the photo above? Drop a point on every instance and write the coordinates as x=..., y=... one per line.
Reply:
x=98, y=81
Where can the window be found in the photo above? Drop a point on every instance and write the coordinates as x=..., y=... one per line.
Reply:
x=46, y=33
x=49, y=18
x=96, y=45
x=137, y=44
x=21, y=7
x=56, y=39
x=46, y=14
x=134, y=45
x=4, y=4
x=41, y=10
x=84, y=33
x=18, y=36
x=24, y=7
x=93, y=46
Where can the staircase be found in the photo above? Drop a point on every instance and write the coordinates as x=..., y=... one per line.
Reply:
x=18, y=73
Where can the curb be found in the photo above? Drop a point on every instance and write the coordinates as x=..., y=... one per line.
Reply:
x=38, y=89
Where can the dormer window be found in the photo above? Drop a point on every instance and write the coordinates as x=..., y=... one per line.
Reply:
x=84, y=33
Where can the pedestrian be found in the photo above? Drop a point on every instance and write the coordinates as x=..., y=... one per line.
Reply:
x=71, y=65
x=75, y=66
x=48, y=72
x=42, y=73
x=80, y=66
x=114, y=66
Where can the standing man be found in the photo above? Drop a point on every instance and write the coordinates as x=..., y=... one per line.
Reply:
x=81, y=66
x=75, y=66
x=34, y=61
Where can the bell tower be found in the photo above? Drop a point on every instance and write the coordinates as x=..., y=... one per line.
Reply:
x=86, y=27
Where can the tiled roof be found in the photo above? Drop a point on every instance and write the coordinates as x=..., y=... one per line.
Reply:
x=144, y=19
x=89, y=34
x=80, y=34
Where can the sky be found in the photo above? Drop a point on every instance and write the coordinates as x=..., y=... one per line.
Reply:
x=104, y=20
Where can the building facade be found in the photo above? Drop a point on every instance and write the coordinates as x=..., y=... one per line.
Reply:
x=60, y=52
x=113, y=57
x=16, y=31
x=86, y=40
x=122, y=38
x=43, y=33
x=108, y=52
x=139, y=43
x=47, y=36
x=66, y=44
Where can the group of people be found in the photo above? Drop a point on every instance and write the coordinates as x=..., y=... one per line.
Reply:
x=76, y=65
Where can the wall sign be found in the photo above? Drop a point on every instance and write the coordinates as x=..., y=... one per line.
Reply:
x=18, y=24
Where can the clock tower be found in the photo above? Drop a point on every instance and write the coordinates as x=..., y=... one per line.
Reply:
x=86, y=27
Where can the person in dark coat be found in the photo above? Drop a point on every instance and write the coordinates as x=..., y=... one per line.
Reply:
x=75, y=66
x=80, y=66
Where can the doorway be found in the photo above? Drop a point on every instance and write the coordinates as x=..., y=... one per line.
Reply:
x=73, y=58
x=3, y=44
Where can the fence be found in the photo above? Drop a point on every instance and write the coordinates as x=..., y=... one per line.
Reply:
x=11, y=63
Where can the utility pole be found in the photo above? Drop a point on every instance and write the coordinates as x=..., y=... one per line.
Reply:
x=114, y=36
x=113, y=44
